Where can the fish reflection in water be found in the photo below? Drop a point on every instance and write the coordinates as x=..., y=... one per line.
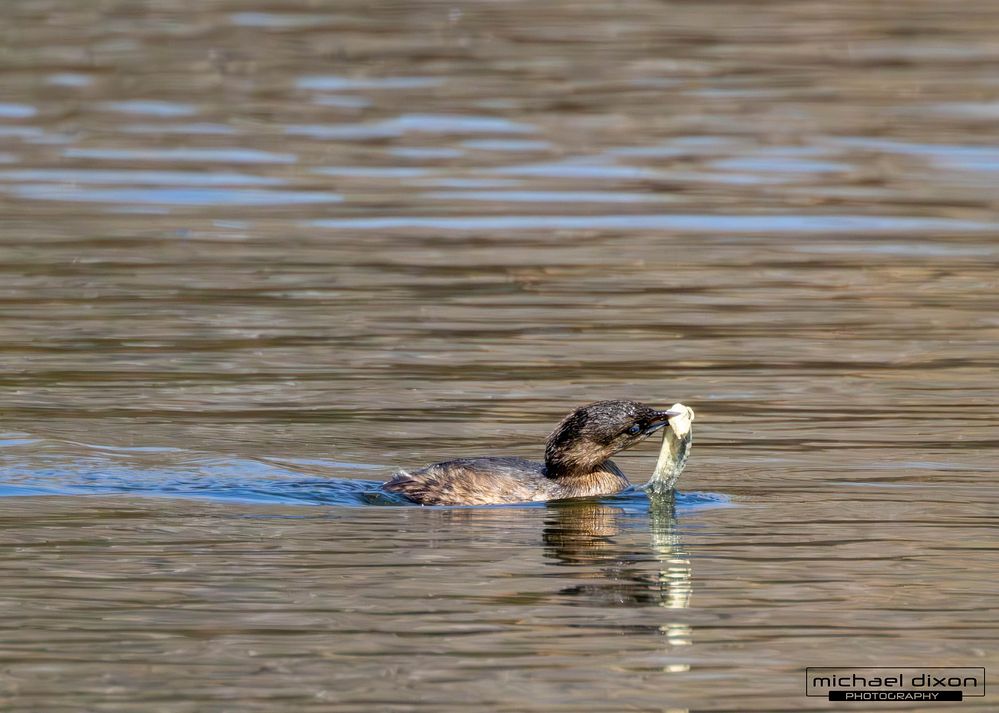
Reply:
x=627, y=551
x=582, y=533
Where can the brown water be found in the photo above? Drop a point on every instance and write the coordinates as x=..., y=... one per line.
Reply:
x=250, y=247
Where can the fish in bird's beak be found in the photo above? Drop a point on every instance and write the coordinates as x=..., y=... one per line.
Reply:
x=661, y=420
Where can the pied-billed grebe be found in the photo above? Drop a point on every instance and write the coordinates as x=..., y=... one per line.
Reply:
x=577, y=462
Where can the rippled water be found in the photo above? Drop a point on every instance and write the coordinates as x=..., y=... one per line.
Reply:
x=255, y=256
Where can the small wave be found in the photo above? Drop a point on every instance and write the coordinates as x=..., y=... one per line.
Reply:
x=247, y=481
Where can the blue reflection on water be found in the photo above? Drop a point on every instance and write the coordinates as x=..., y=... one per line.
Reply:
x=152, y=108
x=170, y=196
x=17, y=111
x=329, y=83
x=241, y=481
x=680, y=222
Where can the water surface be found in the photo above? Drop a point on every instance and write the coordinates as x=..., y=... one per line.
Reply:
x=256, y=256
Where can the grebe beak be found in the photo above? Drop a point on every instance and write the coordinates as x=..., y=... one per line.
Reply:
x=660, y=420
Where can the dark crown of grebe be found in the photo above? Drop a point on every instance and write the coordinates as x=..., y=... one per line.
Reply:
x=591, y=434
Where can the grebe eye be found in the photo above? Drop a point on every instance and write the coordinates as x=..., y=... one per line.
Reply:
x=633, y=431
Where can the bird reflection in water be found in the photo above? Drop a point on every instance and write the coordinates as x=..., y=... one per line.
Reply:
x=583, y=534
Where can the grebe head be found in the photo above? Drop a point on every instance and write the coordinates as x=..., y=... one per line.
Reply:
x=590, y=435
